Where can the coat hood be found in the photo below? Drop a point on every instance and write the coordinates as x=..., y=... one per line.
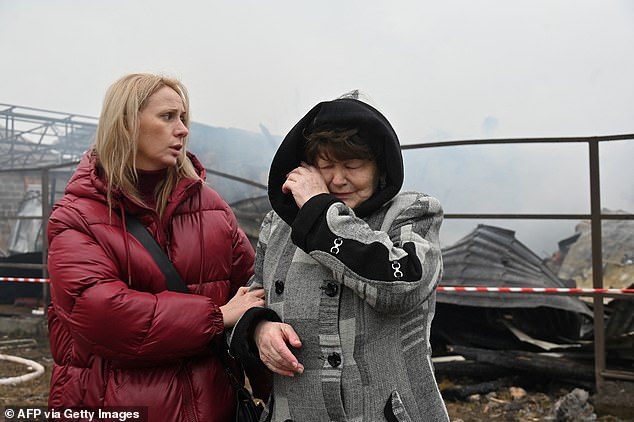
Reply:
x=345, y=113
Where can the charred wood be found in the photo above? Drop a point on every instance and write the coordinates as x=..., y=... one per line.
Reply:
x=463, y=392
x=537, y=364
x=468, y=369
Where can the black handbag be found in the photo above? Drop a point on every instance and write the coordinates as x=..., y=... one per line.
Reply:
x=246, y=408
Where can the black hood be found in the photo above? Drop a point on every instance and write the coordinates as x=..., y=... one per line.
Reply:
x=338, y=114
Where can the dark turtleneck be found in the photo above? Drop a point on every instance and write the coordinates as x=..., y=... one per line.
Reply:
x=148, y=181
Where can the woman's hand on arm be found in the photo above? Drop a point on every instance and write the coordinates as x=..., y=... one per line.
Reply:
x=272, y=340
x=243, y=300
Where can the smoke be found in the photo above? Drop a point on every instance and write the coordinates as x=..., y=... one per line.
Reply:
x=550, y=178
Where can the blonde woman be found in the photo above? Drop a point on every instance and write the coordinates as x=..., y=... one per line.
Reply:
x=118, y=336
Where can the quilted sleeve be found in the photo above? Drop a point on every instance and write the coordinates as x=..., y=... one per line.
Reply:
x=393, y=269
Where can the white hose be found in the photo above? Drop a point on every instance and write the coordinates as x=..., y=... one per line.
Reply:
x=38, y=370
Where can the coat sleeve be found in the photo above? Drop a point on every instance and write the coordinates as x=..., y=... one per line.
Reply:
x=106, y=317
x=394, y=268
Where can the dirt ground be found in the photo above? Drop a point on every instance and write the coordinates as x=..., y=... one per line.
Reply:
x=506, y=404
x=534, y=404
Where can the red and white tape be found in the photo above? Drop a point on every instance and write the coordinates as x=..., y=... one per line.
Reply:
x=577, y=290
x=480, y=289
x=25, y=279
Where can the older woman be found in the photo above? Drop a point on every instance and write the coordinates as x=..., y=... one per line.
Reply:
x=349, y=266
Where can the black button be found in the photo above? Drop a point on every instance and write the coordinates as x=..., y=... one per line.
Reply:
x=279, y=287
x=334, y=359
x=331, y=289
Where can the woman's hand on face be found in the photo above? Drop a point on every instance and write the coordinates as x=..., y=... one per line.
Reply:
x=243, y=300
x=303, y=183
x=272, y=340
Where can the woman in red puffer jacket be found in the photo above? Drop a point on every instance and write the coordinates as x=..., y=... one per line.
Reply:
x=118, y=336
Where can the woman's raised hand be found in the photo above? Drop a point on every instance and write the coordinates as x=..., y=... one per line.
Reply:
x=303, y=183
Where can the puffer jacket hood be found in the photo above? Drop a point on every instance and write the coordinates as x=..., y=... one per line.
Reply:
x=343, y=113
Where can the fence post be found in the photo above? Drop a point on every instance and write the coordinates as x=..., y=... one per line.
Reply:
x=597, y=263
x=45, y=212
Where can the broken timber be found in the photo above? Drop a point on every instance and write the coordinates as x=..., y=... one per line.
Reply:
x=550, y=365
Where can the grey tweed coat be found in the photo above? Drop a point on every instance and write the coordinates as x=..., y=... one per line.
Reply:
x=360, y=293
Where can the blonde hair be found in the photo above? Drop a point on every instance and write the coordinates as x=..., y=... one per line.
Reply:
x=117, y=134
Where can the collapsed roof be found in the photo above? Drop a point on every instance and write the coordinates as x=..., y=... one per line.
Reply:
x=492, y=256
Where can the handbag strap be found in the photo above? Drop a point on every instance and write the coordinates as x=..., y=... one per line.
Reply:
x=173, y=279
x=225, y=357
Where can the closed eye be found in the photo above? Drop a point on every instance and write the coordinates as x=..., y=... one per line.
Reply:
x=354, y=164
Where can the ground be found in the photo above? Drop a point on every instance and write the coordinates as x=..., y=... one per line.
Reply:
x=507, y=404
x=517, y=404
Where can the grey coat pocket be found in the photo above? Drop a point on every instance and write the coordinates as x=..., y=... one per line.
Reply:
x=394, y=409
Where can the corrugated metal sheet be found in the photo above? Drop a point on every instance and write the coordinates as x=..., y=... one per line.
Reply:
x=492, y=256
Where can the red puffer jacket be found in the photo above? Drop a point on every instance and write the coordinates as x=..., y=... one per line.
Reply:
x=118, y=337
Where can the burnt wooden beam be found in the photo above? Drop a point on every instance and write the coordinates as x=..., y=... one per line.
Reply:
x=468, y=369
x=545, y=365
x=465, y=391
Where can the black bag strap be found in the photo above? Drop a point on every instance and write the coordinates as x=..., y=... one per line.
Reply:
x=173, y=279
x=247, y=409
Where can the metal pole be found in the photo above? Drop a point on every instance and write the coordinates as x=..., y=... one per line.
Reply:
x=45, y=212
x=597, y=263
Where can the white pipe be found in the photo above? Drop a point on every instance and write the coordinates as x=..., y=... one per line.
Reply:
x=38, y=370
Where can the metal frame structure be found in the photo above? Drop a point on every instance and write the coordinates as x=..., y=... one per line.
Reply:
x=31, y=137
